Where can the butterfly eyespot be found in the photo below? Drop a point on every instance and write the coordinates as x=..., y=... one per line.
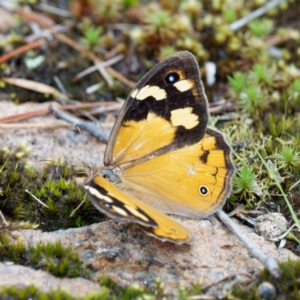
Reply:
x=107, y=205
x=172, y=78
x=203, y=190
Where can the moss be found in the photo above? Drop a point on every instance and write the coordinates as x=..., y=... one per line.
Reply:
x=31, y=292
x=185, y=293
x=105, y=281
x=287, y=286
x=57, y=195
x=134, y=291
x=53, y=257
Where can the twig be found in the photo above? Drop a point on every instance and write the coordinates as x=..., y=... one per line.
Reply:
x=24, y=116
x=54, y=10
x=268, y=261
x=104, y=64
x=217, y=281
x=29, y=15
x=104, y=73
x=227, y=106
x=93, y=57
x=101, y=110
x=60, y=85
x=255, y=14
x=21, y=50
x=37, y=199
x=33, y=125
x=95, y=130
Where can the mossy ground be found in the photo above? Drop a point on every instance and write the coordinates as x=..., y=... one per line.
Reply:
x=53, y=257
x=31, y=292
x=287, y=287
x=54, y=186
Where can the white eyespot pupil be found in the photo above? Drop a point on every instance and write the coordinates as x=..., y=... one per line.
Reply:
x=107, y=205
x=173, y=77
x=203, y=190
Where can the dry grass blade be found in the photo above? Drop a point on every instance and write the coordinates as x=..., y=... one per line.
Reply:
x=55, y=10
x=33, y=125
x=254, y=14
x=41, y=112
x=35, y=86
x=93, y=57
x=37, y=199
x=104, y=74
x=21, y=50
x=41, y=19
x=104, y=64
x=3, y=219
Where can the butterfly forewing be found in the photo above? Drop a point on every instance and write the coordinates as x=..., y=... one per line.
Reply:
x=167, y=110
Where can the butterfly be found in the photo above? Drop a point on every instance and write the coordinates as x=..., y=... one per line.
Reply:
x=161, y=157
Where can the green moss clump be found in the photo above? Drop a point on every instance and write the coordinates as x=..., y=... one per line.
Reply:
x=53, y=257
x=48, y=198
x=31, y=292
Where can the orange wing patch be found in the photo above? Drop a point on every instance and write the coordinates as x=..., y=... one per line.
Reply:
x=135, y=139
x=193, y=181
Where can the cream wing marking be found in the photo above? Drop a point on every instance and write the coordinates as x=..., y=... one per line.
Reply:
x=136, y=213
x=97, y=194
x=184, y=85
x=147, y=91
x=120, y=211
x=184, y=117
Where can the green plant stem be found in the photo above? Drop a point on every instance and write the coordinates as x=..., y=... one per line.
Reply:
x=273, y=175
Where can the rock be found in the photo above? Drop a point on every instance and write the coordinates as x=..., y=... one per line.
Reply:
x=21, y=277
x=266, y=291
x=77, y=147
x=125, y=254
x=271, y=226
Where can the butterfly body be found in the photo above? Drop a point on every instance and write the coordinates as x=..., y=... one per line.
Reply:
x=161, y=157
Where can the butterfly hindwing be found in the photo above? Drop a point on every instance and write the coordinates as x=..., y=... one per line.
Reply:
x=193, y=181
x=166, y=110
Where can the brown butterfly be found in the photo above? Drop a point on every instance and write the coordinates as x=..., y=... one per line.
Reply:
x=161, y=157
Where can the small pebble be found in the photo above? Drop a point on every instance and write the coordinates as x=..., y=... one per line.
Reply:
x=266, y=291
